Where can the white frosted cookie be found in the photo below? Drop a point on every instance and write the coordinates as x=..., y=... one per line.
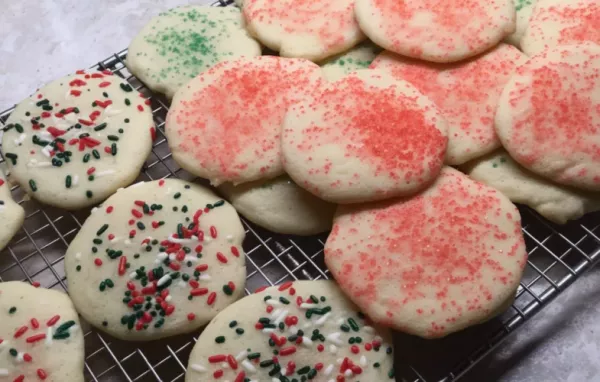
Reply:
x=78, y=139
x=12, y=214
x=40, y=337
x=364, y=137
x=548, y=117
x=303, y=28
x=297, y=331
x=446, y=31
x=561, y=22
x=359, y=57
x=225, y=125
x=524, y=10
x=157, y=259
x=431, y=264
x=553, y=201
x=281, y=206
x=178, y=44
x=467, y=94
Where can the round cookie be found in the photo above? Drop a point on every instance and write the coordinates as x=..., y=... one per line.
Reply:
x=548, y=116
x=561, y=22
x=40, y=337
x=305, y=330
x=467, y=94
x=279, y=205
x=431, y=30
x=553, y=201
x=432, y=264
x=12, y=214
x=524, y=10
x=359, y=57
x=177, y=45
x=78, y=139
x=225, y=125
x=303, y=28
x=157, y=259
x=364, y=137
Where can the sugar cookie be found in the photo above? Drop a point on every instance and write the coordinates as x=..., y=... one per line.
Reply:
x=303, y=28
x=40, y=337
x=225, y=125
x=524, y=10
x=298, y=331
x=156, y=259
x=433, y=30
x=467, y=94
x=359, y=57
x=12, y=214
x=78, y=139
x=281, y=206
x=553, y=201
x=561, y=22
x=364, y=137
x=432, y=264
x=178, y=44
x=548, y=117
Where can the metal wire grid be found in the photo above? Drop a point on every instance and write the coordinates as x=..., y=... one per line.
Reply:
x=558, y=255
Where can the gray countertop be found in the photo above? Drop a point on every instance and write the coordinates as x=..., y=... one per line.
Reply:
x=45, y=39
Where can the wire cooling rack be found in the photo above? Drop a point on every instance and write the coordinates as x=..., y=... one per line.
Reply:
x=558, y=255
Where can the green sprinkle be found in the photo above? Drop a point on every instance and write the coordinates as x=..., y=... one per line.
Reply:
x=126, y=88
x=33, y=185
x=239, y=331
x=102, y=286
x=109, y=283
x=68, y=181
x=219, y=203
x=314, y=298
x=112, y=138
x=303, y=370
x=141, y=226
x=345, y=328
x=391, y=373
x=96, y=154
x=177, y=195
x=78, y=268
x=353, y=324
x=12, y=157
x=89, y=194
x=12, y=310
x=64, y=327
x=233, y=324
x=126, y=120
x=61, y=336
x=220, y=339
x=102, y=230
x=104, y=323
x=101, y=126
x=227, y=290
x=19, y=128
x=376, y=365
x=13, y=352
x=113, y=149
x=266, y=363
x=284, y=300
x=253, y=355
x=127, y=102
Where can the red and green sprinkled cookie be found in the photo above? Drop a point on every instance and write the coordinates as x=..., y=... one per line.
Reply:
x=434, y=30
x=12, y=214
x=177, y=45
x=365, y=137
x=157, y=259
x=293, y=332
x=303, y=28
x=77, y=140
x=40, y=337
x=447, y=258
x=225, y=125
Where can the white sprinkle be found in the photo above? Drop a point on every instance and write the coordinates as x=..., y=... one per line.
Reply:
x=3, y=345
x=78, y=255
x=49, y=336
x=363, y=361
x=204, y=276
x=168, y=191
x=104, y=173
x=293, y=329
x=339, y=360
x=276, y=313
x=241, y=355
x=378, y=339
x=44, y=135
x=198, y=368
x=181, y=284
x=248, y=366
x=333, y=349
x=268, y=330
x=229, y=238
x=115, y=240
x=190, y=258
x=172, y=256
x=162, y=255
x=95, y=209
x=335, y=338
x=348, y=373
x=110, y=111
x=168, y=298
x=275, y=380
x=328, y=369
x=75, y=181
x=127, y=242
x=3, y=373
x=35, y=163
x=322, y=320
x=46, y=151
x=340, y=321
x=307, y=324
x=281, y=317
x=224, y=365
x=272, y=301
x=305, y=305
x=207, y=239
x=191, y=240
x=306, y=341
x=20, y=140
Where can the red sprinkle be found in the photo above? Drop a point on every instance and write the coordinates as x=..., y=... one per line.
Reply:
x=231, y=286
x=355, y=349
x=260, y=289
x=232, y=362
x=137, y=214
x=34, y=323
x=240, y=377
x=217, y=358
x=35, y=338
x=122, y=265
x=27, y=357
x=91, y=170
x=42, y=374
x=218, y=374
x=20, y=378
x=98, y=262
x=140, y=108
x=213, y=231
x=109, y=209
x=320, y=348
x=202, y=267
x=36, y=284
x=21, y=331
x=153, y=133
x=221, y=258
x=199, y=292
x=104, y=84
x=285, y=286
x=53, y=320
x=211, y=298
x=235, y=251
x=287, y=351
x=191, y=316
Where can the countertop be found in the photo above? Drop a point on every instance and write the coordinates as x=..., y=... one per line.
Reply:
x=45, y=39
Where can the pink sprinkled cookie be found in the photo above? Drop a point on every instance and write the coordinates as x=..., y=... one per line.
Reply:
x=432, y=264
x=225, y=125
x=548, y=117
x=303, y=28
x=364, y=137
x=434, y=30
x=467, y=94
x=561, y=22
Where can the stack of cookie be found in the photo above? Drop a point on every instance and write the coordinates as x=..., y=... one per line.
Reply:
x=335, y=132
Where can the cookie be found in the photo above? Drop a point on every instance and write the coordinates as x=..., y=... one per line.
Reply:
x=359, y=57
x=432, y=264
x=157, y=259
x=177, y=45
x=524, y=10
x=440, y=32
x=561, y=22
x=297, y=331
x=225, y=125
x=553, y=201
x=12, y=214
x=279, y=205
x=40, y=336
x=364, y=137
x=303, y=28
x=78, y=139
x=548, y=117
x=467, y=94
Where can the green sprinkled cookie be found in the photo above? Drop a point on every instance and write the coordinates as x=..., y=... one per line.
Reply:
x=359, y=57
x=177, y=45
x=296, y=331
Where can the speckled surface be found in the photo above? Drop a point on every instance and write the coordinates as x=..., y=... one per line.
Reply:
x=41, y=40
